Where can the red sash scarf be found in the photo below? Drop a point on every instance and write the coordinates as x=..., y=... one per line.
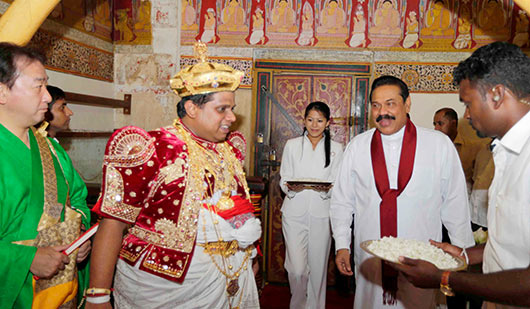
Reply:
x=388, y=206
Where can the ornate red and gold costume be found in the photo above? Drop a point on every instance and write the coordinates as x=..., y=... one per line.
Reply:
x=158, y=182
x=192, y=228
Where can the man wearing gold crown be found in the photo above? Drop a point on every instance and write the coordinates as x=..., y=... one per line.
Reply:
x=42, y=198
x=182, y=192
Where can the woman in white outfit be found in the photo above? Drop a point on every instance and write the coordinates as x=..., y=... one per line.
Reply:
x=312, y=157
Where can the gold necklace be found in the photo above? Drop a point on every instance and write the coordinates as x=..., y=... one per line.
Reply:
x=223, y=167
x=231, y=280
x=221, y=164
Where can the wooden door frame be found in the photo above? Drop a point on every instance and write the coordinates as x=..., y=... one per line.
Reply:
x=263, y=72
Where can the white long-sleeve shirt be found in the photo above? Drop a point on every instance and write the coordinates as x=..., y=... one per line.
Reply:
x=301, y=161
x=435, y=194
x=508, y=243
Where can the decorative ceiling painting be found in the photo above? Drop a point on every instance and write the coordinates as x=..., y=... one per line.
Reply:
x=416, y=25
x=117, y=21
x=90, y=16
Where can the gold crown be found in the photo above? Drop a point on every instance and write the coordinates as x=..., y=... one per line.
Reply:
x=204, y=77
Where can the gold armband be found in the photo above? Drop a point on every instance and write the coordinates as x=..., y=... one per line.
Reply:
x=97, y=292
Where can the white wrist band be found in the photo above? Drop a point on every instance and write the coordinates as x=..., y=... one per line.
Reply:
x=98, y=299
x=464, y=253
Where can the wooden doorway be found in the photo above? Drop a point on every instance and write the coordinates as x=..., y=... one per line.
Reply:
x=282, y=91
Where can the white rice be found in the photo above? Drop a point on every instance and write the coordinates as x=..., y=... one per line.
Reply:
x=309, y=180
x=390, y=248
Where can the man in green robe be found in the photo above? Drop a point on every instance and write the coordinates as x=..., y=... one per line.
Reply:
x=42, y=198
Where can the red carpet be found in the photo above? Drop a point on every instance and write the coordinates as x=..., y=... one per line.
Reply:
x=277, y=297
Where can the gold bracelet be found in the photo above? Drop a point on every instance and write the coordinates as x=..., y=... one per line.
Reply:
x=96, y=291
x=444, y=284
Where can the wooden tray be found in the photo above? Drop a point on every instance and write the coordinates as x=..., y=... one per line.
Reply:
x=309, y=183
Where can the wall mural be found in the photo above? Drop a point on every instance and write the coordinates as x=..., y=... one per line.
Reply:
x=73, y=57
x=90, y=16
x=419, y=25
x=132, y=22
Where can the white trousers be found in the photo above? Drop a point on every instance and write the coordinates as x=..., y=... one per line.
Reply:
x=307, y=246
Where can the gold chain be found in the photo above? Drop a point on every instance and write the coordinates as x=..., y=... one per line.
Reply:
x=223, y=166
x=221, y=163
x=228, y=278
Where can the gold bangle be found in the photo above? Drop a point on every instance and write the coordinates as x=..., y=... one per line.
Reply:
x=94, y=291
x=444, y=284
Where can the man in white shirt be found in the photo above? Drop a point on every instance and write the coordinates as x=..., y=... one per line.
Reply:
x=495, y=88
x=396, y=180
x=58, y=114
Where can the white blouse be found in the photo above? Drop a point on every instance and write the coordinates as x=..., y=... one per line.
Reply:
x=300, y=161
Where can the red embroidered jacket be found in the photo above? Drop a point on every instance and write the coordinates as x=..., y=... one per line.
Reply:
x=146, y=182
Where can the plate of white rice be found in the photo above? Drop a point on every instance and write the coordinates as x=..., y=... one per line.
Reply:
x=391, y=248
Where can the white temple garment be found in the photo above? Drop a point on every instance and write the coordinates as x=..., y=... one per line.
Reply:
x=204, y=285
x=435, y=194
x=305, y=220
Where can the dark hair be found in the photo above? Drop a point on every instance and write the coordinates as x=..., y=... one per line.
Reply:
x=390, y=80
x=496, y=63
x=57, y=94
x=449, y=113
x=197, y=99
x=9, y=55
x=324, y=109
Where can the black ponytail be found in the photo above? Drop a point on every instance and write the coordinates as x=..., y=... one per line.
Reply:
x=327, y=145
x=302, y=150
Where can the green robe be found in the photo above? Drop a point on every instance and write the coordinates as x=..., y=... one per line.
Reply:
x=21, y=206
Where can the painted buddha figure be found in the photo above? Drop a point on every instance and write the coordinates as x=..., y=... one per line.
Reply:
x=233, y=17
x=282, y=17
x=189, y=14
x=102, y=12
x=386, y=19
x=492, y=19
x=438, y=20
x=332, y=18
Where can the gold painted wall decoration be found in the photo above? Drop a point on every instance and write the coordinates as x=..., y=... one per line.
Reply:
x=396, y=25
